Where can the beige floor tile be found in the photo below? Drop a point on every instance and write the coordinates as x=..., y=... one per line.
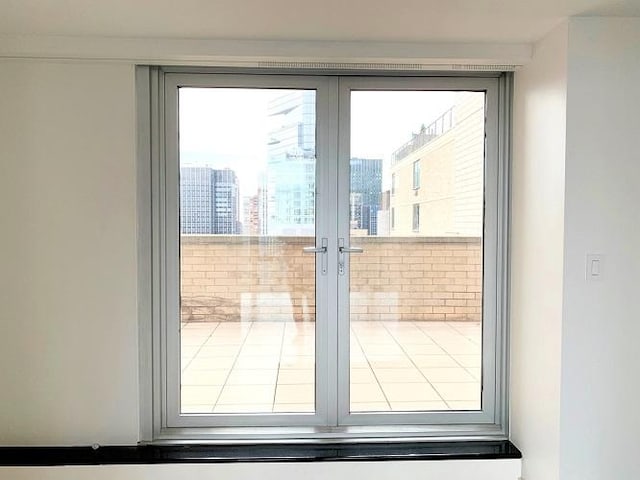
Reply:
x=224, y=342
x=263, y=362
x=359, y=361
x=199, y=394
x=418, y=406
x=192, y=341
x=297, y=361
x=240, y=376
x=246, y=394
x=295, y=393
x=410, y=392
x=475, y=371
x=361, y=375
x=398, y=375
x=219, y=351
x=431, y=361
x=298, y=349
x=211, y=363
x=461, y=348
x=366, y=393
x=369, y=407
x=469, y=360
x=204, y=377
x=423, y=349
x=466, y=405
x=296, y=376
x=259, y=339
x=395, y=361
x=294, y=408
x=189, y=351
x=382, y=349
x=447, y=375
x=243, y=408
x=413, y=339
x=459, y=391
x=261, y=349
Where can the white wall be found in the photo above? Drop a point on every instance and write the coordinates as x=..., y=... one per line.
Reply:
x=427, y=470
x=68, y=321
x=537, y=251
x=601, y=328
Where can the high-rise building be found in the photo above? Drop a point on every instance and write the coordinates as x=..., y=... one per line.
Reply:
x=366, y=186
x=289, y=183
x=208, y=201
x=250, y=217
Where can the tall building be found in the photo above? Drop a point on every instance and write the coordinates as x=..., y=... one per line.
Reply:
x=437, y=177
x=250, y=216
x=208, y=201
x=289, y=183
x=366, y=186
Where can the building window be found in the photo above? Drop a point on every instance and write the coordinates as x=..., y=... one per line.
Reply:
x=271, y=276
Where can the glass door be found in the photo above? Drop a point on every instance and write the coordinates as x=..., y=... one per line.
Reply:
x=253, y=245
x=411, y=236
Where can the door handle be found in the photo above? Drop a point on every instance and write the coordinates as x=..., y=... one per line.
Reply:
x=342, y=249
x=324, y=243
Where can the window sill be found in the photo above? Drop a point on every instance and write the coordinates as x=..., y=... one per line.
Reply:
x=155, y=454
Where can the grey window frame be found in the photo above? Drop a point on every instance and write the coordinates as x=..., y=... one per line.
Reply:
x=156, y=265
x=415, y=217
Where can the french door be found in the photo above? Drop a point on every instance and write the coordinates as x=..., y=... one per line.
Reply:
x=331, y=252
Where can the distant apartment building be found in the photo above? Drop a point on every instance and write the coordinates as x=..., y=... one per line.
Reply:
x=250, y=215
x=289, y=184
x=209, y=202
x=437, y=177
x=366, y=186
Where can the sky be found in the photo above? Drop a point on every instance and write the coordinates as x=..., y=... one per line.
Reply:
x=229, y=128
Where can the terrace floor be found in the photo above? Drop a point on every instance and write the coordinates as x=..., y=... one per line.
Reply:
x=264, y=367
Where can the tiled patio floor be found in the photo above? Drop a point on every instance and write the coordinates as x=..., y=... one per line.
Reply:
x=262, y=367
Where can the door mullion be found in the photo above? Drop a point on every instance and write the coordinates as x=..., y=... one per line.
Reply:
x=342, y=217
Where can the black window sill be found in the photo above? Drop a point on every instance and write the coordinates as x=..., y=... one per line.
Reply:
x=155, y=454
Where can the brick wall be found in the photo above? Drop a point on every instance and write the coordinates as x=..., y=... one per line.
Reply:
x=232, y=278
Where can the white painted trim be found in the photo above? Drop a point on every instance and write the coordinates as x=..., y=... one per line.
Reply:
x=184, y=51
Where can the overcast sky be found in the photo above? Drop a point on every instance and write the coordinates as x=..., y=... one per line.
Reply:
x=229, y=128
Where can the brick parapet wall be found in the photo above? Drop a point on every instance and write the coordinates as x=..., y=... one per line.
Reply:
x=233, y=278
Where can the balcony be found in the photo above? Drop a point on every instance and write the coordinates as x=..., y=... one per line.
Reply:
x=248, y=324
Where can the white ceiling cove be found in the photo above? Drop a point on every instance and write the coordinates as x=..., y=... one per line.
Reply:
x=503, y=21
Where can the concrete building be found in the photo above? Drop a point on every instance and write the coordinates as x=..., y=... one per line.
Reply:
x=250, y=215
x=437, y=176
x=209, y=201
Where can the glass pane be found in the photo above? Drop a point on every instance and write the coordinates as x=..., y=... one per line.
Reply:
x=247, y=209
x=417, y=171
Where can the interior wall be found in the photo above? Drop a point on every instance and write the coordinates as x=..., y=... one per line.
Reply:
x=68, y=320
x=600, y=381
x=536, y=254
x=391, y=470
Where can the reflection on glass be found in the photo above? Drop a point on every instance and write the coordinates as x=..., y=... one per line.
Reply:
x=247, y=291
x=417, y=211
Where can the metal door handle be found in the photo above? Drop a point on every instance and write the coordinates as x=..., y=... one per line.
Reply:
x=351, y=250
x=341, y=257
x=314, y=249
x=324, y=243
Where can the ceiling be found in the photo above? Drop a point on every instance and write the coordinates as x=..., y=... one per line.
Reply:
x=325, y=20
